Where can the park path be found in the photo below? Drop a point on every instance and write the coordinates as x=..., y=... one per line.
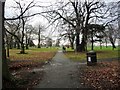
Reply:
x=60, y=73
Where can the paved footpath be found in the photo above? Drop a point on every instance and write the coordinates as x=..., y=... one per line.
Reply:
x=60, y=73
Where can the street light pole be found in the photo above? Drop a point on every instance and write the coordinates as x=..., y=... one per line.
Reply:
x=1, y=44
x=4, y=68
x=3, y=31
x=92, y=38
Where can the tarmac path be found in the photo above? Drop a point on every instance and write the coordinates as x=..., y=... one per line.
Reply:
x=60, y=72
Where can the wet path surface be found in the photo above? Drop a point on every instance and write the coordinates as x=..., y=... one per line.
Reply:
x=60, y=73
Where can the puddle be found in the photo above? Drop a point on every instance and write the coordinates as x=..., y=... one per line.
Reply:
x=82, y=63
x=55, y=64
x=37, y=70
x=60, y=51
x=45, y=68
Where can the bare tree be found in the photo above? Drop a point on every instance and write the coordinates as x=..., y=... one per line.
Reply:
x=39, y=34
x=22, y=9
x=111, y=21
x=48, y=42
x=38, y=30
x=112, y=34
x=28, y=34
x=67, y=31
x=12, y=27
x=6, y=74
x=79, y=15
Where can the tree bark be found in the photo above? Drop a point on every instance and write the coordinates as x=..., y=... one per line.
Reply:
x=84, y=40
x=22, y=41
x=77, y=42
x=112, y=42
x=83, y=45
x=11, y=43
x=100, y=44
x=72, y=45
x=106, y=43
x=27, y=42
x=8, y=50
x=15, y=44
x=39, y=38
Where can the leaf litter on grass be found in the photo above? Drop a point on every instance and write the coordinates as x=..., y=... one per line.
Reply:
x=103, y=76
x=22, y=67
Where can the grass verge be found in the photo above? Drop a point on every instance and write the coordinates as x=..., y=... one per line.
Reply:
x=101, y=54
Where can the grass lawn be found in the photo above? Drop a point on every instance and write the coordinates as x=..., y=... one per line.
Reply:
x=101, y=54
x=44, y=49
x=21, y=66
x=33, y=57
x=35, y=54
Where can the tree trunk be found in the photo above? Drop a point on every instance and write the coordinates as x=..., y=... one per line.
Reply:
x=15, y=45
x=83, y=45
x=8, y=50
x=72, y=45
x=84, y=39
x=80, y=47
x=106, y=43
x=22, y=41
x=11, y=44
x=7, y=42
x=18, y=44
x=113, y=44
x=27, y=46
x=27, y=42
x=77, y=43
x=100, y=44
x=72, y=42
x=39, y=38
x=22, y=48
x=39, y=45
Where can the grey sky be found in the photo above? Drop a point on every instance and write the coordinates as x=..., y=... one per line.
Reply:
x=9, y=12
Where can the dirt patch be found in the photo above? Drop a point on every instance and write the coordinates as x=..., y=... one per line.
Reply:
x=22, y=68
x=103, y=76
x=25, y=76
x=28, y=79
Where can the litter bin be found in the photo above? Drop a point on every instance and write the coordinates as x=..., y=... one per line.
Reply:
x=91, y=58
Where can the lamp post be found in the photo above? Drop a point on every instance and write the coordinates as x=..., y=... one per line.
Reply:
x=92, y=38
x=2, y=32
x=2, y=29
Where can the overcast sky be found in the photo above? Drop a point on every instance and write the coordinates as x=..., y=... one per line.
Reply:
x=9, y=11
